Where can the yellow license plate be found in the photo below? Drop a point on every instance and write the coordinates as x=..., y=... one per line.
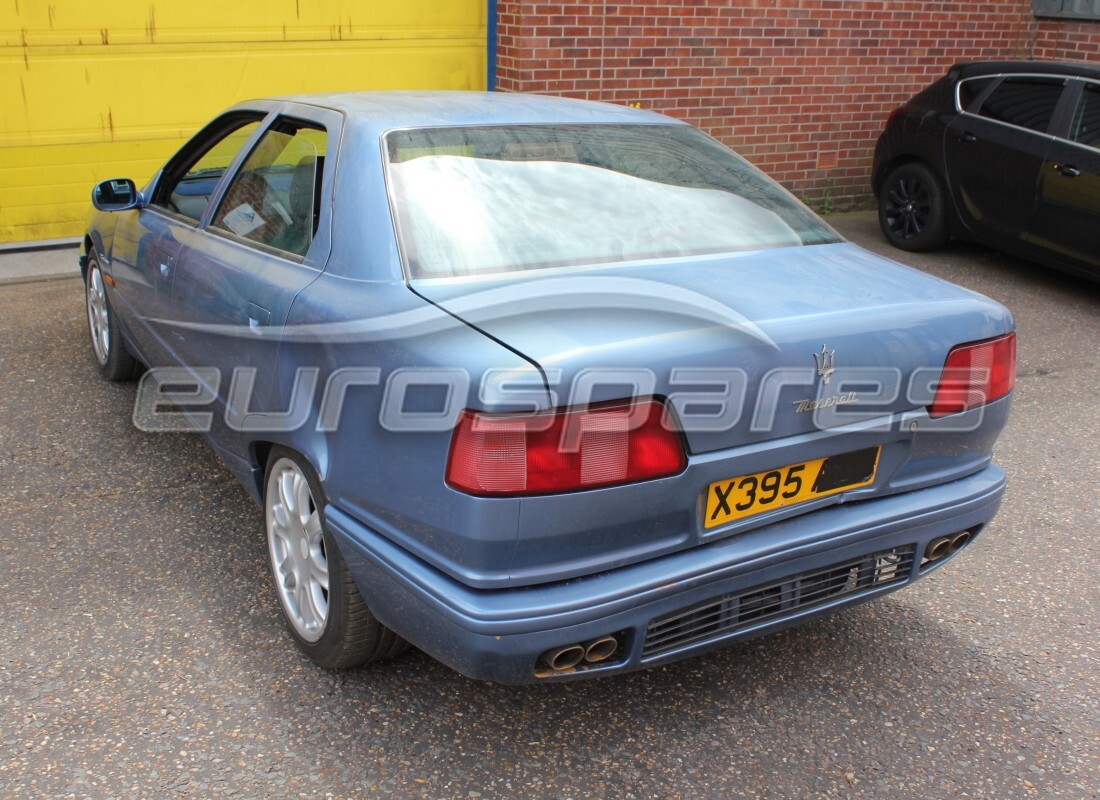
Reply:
x=737, y=498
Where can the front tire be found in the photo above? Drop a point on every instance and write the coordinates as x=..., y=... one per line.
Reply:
x=114, y=360
x=912, y=208
x=322, y=607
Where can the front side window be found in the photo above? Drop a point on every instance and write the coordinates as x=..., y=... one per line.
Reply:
x=275, y=199
x=500, y=199
x=1086, y=122
x=1026, y=102
x=189, y=182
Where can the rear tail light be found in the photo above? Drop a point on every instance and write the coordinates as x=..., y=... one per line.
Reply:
x=564, y=450
x=892, y=118
x=976, y=374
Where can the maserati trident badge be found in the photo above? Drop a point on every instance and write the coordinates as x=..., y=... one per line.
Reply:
x=825, y=364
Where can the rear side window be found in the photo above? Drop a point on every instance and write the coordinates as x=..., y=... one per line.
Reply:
x=1026, y=102
x=970, y=90
x=1086, y=122
x=275, y=200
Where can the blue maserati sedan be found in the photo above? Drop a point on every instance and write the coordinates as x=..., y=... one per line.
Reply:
x=546, y=388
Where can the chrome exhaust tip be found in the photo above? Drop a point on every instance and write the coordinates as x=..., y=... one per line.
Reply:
x=959, y=541
x=600, y=649
x=938, y=548
x=560, y=659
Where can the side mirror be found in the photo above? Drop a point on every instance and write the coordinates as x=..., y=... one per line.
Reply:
x=117, y=194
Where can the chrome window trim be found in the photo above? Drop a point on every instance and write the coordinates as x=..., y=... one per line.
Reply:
x=169, y=214
x=264, y=249
x=958, y=89
x=1004, y=75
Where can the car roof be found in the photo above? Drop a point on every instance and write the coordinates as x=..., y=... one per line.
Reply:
x=973, y=68
x=438, y=108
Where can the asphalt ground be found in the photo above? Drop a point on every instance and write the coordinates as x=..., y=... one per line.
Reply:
x=142, y=653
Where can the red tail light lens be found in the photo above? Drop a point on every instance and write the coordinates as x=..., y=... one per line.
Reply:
x=892, y=117
x=563, y=451
x=976, y=374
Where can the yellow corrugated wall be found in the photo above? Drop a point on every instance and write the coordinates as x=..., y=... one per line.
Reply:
x=91, y=90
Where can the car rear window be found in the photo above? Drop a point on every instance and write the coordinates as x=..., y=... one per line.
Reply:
x=497, y=199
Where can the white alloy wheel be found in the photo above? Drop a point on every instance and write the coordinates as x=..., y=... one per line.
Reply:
x=98, y=321
x=296, y=545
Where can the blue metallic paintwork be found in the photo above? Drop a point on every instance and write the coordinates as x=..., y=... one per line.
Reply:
x=453, y=572
x=499, y=634
x=871, y=311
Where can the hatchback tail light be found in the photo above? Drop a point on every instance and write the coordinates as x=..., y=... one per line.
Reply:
x=564, y=450
x=893, y=116
x=976, y=374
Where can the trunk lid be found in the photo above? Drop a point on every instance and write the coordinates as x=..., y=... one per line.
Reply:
x=769, y=323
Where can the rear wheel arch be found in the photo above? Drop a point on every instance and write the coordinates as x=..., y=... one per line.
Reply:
x=339, y=630
x=259, y=453
x=890, y=166
x=259, y=457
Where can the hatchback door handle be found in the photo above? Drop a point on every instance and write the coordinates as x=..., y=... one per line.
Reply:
x=1067, y=170
x=967, y=137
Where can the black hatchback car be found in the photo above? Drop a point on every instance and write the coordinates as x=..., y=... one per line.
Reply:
x=1002, y=153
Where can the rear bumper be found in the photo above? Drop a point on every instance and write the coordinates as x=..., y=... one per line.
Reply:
x=499, y=634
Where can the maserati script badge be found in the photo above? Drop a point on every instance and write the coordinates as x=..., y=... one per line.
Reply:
x=826, y=366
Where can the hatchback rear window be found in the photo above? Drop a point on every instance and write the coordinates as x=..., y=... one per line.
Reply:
x=495, y=199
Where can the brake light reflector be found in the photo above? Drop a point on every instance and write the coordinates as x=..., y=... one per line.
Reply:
x=976, y=374
x=564, y=450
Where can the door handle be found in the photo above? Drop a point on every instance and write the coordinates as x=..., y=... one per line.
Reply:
x=967, y=137
x=258, y=317
x=1067, y=170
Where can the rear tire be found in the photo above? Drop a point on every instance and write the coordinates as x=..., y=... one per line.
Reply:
x=114, y=360
x=912, y=208
x=322, y=607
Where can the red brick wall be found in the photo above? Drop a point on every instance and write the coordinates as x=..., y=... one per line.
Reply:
x=800, y=87
x=1067, y=40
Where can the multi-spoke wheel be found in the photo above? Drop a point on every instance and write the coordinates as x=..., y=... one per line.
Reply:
x=297, y=548
x=322, y=605
x=115, y=361
x=911, y=208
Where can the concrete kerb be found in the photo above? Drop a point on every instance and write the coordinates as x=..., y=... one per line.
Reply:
x=27, y=264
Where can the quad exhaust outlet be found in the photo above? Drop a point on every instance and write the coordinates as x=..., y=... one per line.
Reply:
x=943, y=546
x=568, y=657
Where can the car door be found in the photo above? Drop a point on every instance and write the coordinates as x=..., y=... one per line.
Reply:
x=994, y=156
x=265, y=239
x=1068, y=223
x=148, y=241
